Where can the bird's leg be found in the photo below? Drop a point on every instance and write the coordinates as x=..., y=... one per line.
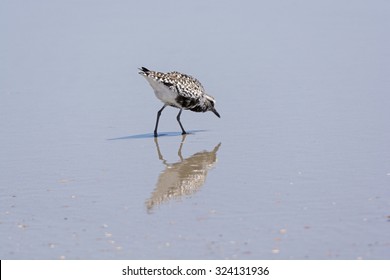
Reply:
x=178, y=119
x=158, y=118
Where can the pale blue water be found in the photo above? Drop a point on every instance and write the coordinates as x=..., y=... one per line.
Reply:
x=298, y=166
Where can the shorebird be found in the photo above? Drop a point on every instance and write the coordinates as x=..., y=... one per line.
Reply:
x=180, y=91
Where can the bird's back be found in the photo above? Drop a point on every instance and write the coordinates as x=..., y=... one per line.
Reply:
x=182, y=84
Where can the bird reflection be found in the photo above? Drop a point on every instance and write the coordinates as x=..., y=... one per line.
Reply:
x=184, y=177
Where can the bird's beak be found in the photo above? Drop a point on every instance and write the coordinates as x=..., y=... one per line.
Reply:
x=215, y=112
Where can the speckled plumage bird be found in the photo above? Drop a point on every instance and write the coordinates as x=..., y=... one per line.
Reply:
x=180, y=91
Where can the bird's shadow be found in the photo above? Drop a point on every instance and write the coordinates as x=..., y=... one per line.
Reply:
x=151, y=135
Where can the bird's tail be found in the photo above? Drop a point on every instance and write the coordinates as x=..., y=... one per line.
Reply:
x=144, y=71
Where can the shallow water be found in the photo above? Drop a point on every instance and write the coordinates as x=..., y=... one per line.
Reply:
x=298, y=166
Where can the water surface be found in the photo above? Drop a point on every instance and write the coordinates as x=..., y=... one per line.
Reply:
x=298, y=166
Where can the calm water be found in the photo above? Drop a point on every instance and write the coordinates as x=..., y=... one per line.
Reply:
x=298, y=166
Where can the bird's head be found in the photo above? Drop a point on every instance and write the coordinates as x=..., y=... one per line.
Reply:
x=210, y=101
